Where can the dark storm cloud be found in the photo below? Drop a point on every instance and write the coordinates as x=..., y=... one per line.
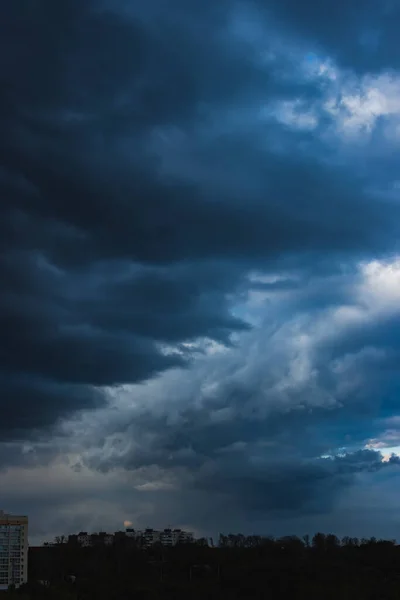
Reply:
x=104, y=258
x=302, y=487
x=34, y=402
x=360, y=35
x=251, y=424
x=264, y=467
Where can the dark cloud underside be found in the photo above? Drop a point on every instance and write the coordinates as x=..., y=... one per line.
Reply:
x=103, y=257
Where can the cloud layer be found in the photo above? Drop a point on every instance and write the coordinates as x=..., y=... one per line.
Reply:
x=199, y=254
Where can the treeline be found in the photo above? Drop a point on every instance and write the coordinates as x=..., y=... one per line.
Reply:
x=241, y=567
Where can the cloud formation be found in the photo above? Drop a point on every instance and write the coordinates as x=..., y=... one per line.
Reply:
x=198, y=234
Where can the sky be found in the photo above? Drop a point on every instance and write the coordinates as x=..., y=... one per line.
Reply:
x=200, y=266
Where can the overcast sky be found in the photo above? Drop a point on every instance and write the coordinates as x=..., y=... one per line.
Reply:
x=200, y=265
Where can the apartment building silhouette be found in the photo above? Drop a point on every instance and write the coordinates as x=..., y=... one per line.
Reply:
x=13, y=550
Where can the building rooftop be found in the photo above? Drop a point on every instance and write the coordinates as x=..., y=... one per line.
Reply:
x=5, y=515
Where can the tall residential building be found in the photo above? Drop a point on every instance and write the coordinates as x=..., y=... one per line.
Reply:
x=172, y=537
x=84, y=539
x=13, y=550
x=167, y=537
